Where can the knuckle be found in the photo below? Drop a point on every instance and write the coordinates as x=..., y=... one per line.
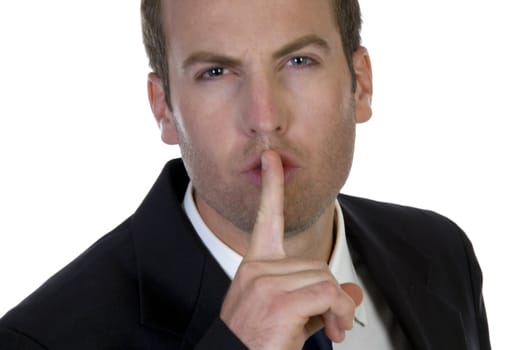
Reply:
x=349, y=322
x=320, y=265
x=245, y=274
x=346, y=321
x=330, y=289
x=248, y=269
x=242, y=269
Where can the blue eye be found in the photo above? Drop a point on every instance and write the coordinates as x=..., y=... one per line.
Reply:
x=215, y=72
x=300, y=61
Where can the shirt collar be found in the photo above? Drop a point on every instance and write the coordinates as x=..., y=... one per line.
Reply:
x=340, y=263
x=227, y=258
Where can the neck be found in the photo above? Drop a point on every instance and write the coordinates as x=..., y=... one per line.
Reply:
x=314, y=243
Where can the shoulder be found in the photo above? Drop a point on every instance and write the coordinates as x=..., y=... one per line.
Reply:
x=404, y=232
x=394, y=216
x=421, y=240
x=88, y=293
x=431, y=233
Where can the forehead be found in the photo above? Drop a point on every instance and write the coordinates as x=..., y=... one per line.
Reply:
x=242, y=25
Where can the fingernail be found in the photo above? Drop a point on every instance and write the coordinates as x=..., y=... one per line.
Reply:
x=264, y=163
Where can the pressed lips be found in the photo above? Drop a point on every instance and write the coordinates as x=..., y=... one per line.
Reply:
x=252, y=169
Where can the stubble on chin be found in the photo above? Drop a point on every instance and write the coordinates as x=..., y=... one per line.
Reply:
x=303, y=208
x=307, y=195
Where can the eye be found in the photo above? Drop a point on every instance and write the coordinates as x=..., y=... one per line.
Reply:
x=300, y=61
x=213, y=73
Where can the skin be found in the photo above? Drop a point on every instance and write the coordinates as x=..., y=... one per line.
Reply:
x=265, y=119
x=277, y=302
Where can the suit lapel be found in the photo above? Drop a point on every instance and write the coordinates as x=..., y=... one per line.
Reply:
x=403, y=274
x=214, y=286
x=181, y=286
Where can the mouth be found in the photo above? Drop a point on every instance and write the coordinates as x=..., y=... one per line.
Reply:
x=252, y=170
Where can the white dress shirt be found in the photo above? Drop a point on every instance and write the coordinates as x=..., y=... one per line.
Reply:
x=375, y=327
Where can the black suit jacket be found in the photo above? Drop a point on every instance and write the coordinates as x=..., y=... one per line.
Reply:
x=152, y=284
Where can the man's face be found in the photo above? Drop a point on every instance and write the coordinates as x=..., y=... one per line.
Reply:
x=246, y=76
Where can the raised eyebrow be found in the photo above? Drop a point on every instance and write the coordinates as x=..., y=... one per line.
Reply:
x=208, y=57
x=301, y=43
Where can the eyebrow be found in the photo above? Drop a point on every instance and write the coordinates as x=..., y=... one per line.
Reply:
x=223, y=60
x=208, y=57
x=300, y=44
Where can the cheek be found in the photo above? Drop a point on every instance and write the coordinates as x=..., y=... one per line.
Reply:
x=195, y=114
x=205, y=136
x=332, y=127
x=325, y=108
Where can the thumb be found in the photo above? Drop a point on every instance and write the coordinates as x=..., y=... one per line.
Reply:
x=354, y=291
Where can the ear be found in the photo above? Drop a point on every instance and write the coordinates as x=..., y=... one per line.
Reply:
x=160, y=110
x=364, y=84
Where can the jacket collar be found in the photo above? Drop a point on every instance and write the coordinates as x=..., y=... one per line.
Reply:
x=181, y=287
x=404, y=275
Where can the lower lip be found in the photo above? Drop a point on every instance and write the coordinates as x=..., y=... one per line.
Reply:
x=254, y=175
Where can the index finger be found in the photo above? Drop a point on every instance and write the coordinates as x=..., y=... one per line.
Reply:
x=267, y=237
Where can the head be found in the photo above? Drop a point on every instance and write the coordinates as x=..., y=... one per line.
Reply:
x=347, y=15
x=236, y=78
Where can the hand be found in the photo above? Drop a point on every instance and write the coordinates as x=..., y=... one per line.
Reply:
x=276, y=302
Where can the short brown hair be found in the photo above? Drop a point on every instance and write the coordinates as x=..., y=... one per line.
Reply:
x=347, y=13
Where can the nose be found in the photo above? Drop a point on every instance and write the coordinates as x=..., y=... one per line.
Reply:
x=265, y=111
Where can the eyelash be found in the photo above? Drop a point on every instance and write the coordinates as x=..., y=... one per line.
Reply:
x=215, y=72
x=300, y=61
x=212, y=73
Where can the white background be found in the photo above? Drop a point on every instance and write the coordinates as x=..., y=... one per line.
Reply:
x=79, y=148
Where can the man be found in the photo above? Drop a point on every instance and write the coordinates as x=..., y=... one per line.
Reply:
x=245, y=242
